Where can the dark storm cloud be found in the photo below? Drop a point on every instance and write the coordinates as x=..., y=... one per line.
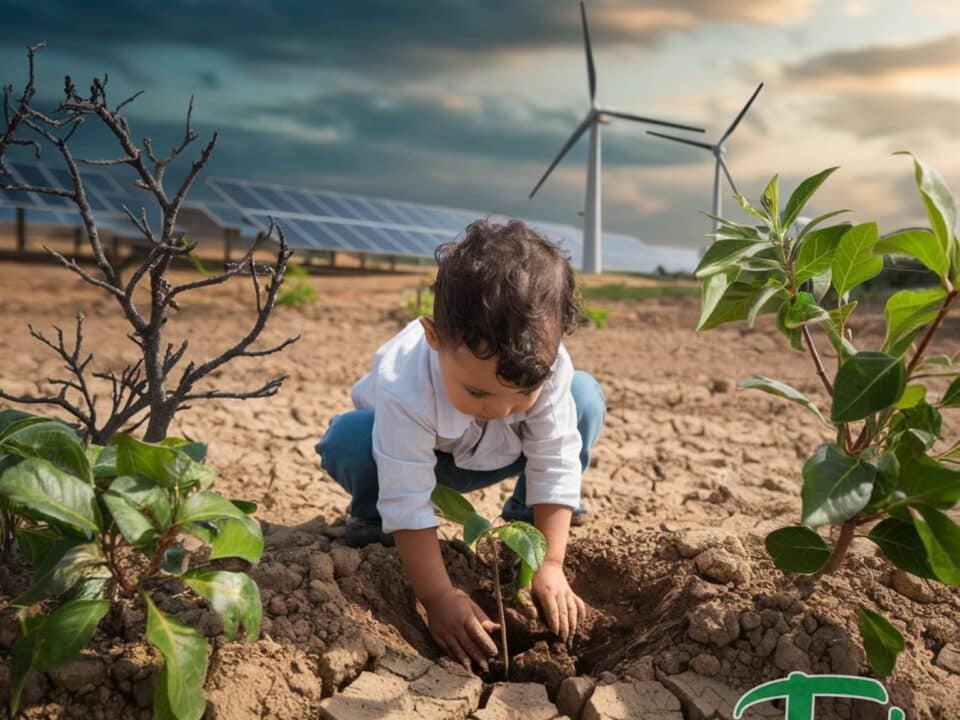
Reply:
x=880, y=60
x=385, y=35
x=873, y=115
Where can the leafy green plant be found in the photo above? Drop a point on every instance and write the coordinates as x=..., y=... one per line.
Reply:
x=102, y=525
x=420, y=304
x=297, y=290
x=522, y=538
x=880, y=469
x=597, y=316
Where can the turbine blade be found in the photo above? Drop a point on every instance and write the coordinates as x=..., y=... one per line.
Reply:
x=566, y=148
x=727, y=173
x=591, y=72
x=652, y=121
x=743, y=112
x=705, y=146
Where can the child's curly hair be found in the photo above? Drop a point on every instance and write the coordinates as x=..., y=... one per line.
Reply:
x=505, y=291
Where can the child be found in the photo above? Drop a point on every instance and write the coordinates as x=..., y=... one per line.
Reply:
x=481, y=392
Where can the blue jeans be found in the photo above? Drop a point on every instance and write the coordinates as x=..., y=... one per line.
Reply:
x=346, y=452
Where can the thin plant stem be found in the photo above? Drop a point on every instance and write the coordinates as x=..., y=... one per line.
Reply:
x=847, y=531
x=503, y=624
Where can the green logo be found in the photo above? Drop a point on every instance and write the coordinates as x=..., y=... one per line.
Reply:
x=801, y=691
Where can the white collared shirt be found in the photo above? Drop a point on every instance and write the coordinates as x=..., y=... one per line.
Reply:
x=413, y=417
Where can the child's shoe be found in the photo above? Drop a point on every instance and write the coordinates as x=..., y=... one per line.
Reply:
x=360, y=532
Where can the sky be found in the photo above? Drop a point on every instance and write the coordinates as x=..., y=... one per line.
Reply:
x=465, y=103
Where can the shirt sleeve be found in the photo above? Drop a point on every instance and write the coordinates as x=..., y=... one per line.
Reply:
x=551, y=443
x=403, y=447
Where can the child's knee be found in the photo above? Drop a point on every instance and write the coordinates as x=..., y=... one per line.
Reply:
x=347, y=444
x=590, y=401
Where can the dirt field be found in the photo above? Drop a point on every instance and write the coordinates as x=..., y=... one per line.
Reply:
x=690, y=475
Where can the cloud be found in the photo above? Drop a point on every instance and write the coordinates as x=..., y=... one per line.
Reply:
x=889, y=114
x=878, y=62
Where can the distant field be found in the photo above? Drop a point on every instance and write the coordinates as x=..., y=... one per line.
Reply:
x=622, y=291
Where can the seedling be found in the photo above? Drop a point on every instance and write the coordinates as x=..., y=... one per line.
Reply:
x=522, y=538
x=885, y=472
x=104, y=524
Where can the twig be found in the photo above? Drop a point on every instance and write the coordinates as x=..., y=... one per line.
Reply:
x=503, y=624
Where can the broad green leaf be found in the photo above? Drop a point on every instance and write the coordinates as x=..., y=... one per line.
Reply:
x=66, y=631
x=835, y=486
x=234, y=596
x=803, y=310
x=723, y=254
x=902, y=546
x=36, y=542
x=23, y=653
x=10, y=416
x=797, y=549
x=167, y=466
x=771, y=197
x=48, y=492
x=951, y=398
x=197, y=451
x=525, y=540
x=917, y=243
x=854, y=261
x=794, y=335
x=475, y=528
x=452, y=505
x=925, y=481
x=207, y=505
x=867, y=382
x=816, y=251
x=248, y=507
x=821, y=284
x=725, y=300
x=106, y=463
x=808, y=228
x=912, y=396
x=140, y=507
x=888, y=476
x=923, y=421
x=768, y=260
x=52, y=441
x=941, y=538
x=524, y=577
x=76, y=563
x=840, y=315
x=881, y=640
x=179, y=685
x=801, y=195
x=775, y=387
x=238, y=538
x=940, y=204
x=907, y=312
x=769, y=299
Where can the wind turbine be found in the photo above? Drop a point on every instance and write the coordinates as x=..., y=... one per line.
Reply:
x=592, y=239
x=718, y=151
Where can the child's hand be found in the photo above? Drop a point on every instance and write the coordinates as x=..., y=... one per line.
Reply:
x=562, y=609
x=461, y=628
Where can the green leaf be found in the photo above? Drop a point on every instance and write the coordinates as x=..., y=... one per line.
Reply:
x=801, y=195
x=179, y=685
x=854, y=261
x=808, y=228
x=901, y=545
x=452, y=505
x=36, y=542
x=951, y=398
x=770, y=200
x=50, y=493
x=868, y=382
x=907, y=312
x=803, y=310
x=941, y=538
x=751, y=210
x=888, y=476
x=923, y=421
x=912, y=396
x=23, y=652
x=797, y=549
x=197, y=451
x=923, y=480
x=769, y=299
x=140, y=508
x=835, y=486
x=76, y=563
x=794, y=335
x=233, y=595
x=525, y=540
x=52, y=441
x=66, y=631
x=881, y=640
x=724, y=299
x=10, y=417
x=821, y=284
x=723, y=254
x=474, y=529
x=167, y=466
x=247, y=507
x=941, y=207
x=237, y=538
x=775, y=387
x=524, y=577
x=816, y=251
x=916, y=243
x=106, y=463
x=207, y=505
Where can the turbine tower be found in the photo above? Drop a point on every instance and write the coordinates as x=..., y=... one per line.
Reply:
x=592, y=239
x=719, y=151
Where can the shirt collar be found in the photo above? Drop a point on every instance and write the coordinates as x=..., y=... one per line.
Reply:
x=451, y=423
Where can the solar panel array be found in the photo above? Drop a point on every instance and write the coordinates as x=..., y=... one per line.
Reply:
x=331, y=221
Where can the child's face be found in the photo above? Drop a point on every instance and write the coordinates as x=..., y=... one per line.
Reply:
x=472, y=385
